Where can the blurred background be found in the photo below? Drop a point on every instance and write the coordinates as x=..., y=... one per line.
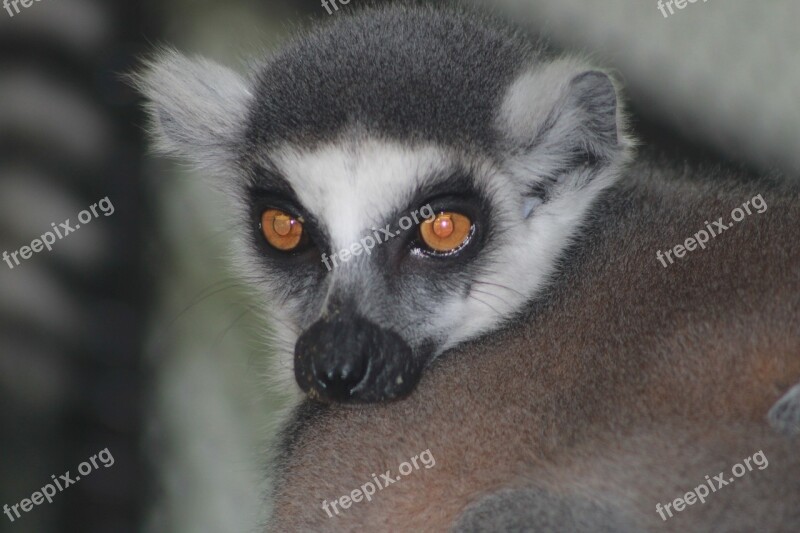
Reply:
x=133, y=335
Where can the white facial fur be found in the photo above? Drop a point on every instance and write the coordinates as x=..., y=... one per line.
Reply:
x=352, y=186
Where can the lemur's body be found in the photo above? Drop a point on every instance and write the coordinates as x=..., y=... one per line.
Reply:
x=619, y=361
x=628, y=384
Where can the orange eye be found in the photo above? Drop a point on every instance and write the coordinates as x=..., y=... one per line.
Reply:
x=446, y=232
x=281, y=230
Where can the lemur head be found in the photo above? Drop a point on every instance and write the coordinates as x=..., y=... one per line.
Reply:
x=478, y=154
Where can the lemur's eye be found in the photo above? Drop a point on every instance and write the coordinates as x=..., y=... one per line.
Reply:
x=446, y=232
x=281, y=230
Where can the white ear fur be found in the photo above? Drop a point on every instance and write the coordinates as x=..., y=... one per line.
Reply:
x=563, y=126
x=198, y=108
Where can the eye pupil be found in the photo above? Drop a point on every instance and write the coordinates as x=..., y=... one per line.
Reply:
x=282, y=225
x=446, y=232
x=282, y=230
x=443, y=226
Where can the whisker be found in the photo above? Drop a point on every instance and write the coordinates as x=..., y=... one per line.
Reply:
x=248, y=309
x=473, y=289
x=484, y=303
x=282, y=322
x=498, y=285
x=201, y=298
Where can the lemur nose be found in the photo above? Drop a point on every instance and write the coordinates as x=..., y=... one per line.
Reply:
x=346, y=358
x=339, y=378
x=332, y=356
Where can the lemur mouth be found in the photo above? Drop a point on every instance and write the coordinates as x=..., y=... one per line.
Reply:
x=348, y=359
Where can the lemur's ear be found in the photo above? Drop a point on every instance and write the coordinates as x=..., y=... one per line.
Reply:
x=198, y=108
x=563, y=127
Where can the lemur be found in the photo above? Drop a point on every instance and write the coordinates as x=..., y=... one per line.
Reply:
x=564, y=379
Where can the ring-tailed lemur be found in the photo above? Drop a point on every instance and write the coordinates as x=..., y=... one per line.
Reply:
x=539, y=226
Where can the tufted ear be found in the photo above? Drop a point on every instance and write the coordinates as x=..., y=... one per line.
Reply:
x=198, y=108
x=563, y=128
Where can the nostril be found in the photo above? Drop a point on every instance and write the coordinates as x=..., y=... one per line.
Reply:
x=339, y=378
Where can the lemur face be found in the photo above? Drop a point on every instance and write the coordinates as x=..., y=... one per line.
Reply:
x=392, y=256
x=399, y=194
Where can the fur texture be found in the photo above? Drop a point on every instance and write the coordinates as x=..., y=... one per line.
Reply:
x=626, y=385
